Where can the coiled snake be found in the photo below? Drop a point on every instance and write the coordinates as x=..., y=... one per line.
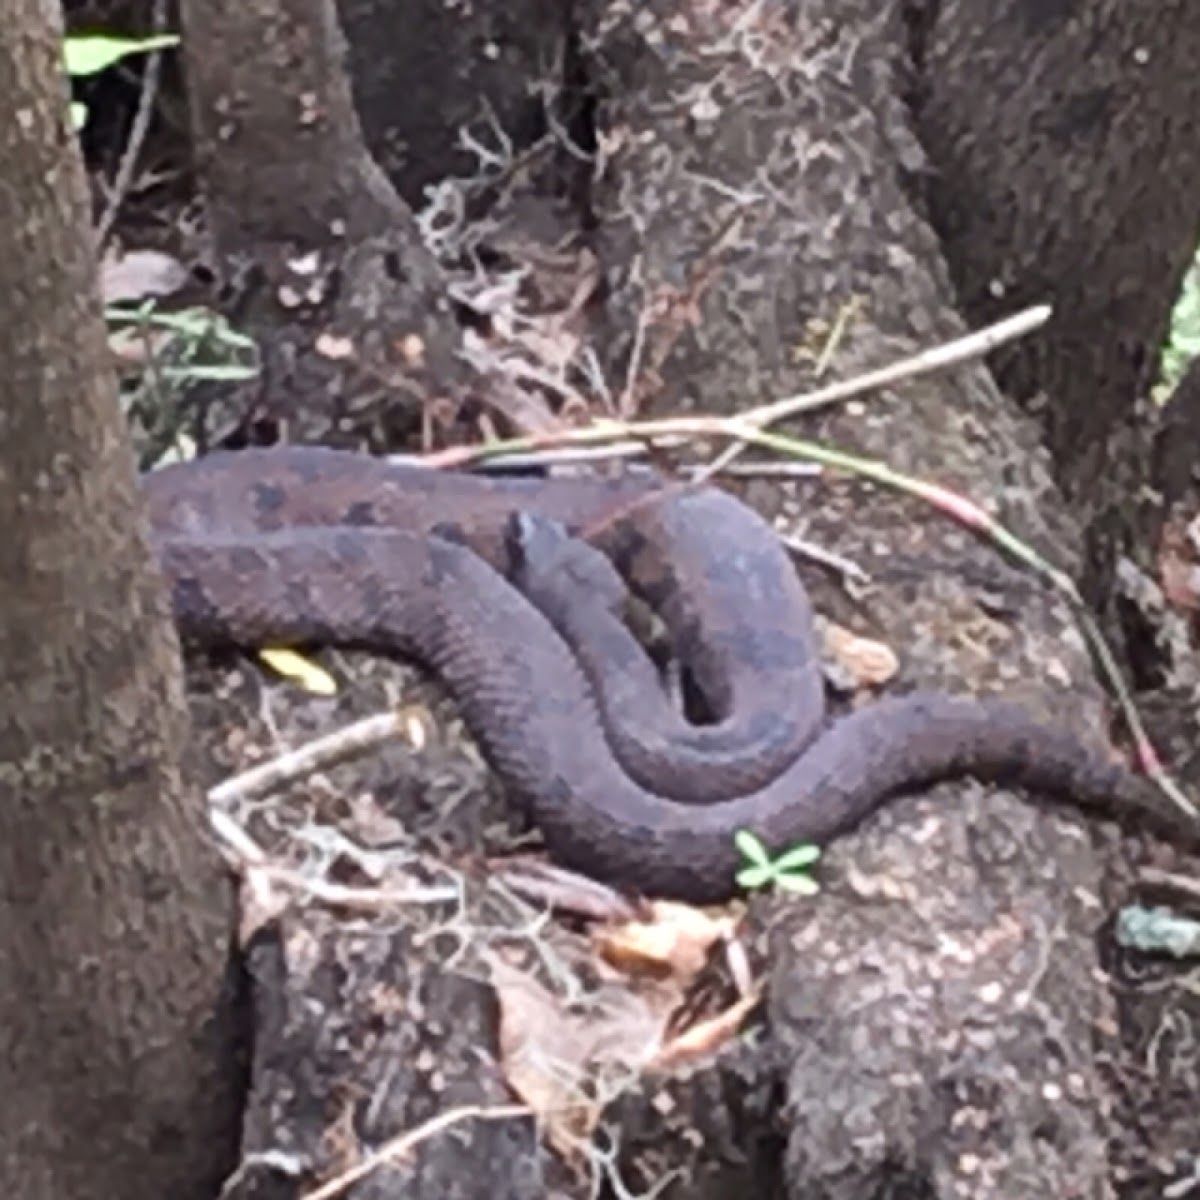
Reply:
x=310, y=545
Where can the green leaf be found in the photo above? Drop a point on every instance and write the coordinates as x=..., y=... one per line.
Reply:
x=300, y=670
x=751, y=847
x=221, y=374
x=798, y=857
x=800, y=885
x=1183, y=339
x=193, y=322
x=91, y=54
x=752, y=878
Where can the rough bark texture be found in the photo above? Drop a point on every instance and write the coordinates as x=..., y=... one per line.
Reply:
x=1064, y=168
x=477, y=85
x=304, y=224
x=331, y=1061
x=918, y=996
x=117, y=1017
x=758, y=192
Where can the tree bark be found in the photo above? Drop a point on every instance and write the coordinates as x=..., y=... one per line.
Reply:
x=290, y=187
x=118, y=1027
x=739, y=225
x=480, y=84
x=275, y=108
x=1064, y=168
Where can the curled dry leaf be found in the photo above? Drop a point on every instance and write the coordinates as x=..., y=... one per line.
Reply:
x=564, y=1060
x=706, y=1037
x=868, y=663
x=567, y=1059
x=671, y=940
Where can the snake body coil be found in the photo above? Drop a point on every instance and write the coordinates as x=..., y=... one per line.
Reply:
x=308, y=545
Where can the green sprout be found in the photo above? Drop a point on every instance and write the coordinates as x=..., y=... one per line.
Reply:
x=789, y=871
x=1183, y=343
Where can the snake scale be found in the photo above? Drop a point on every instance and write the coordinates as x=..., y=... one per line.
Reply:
x=500, y=587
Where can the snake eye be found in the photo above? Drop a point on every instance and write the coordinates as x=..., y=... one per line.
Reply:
x=530, y=536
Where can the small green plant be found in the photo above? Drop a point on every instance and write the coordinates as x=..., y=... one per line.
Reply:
x=90, y=54
x=1183, y=342
x=789, y=871
x=204, y=346
x=165, y=354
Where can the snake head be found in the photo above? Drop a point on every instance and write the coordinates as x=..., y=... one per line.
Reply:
x=555, y=569
x=532, y=538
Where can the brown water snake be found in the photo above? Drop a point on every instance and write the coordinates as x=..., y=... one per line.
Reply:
x=738, y=618
x=237, y=577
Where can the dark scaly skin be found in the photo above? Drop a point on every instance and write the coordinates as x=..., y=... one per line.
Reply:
x=448, y=609
x=738, y=617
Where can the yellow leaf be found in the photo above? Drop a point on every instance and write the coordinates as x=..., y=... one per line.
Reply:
x=300, y=670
